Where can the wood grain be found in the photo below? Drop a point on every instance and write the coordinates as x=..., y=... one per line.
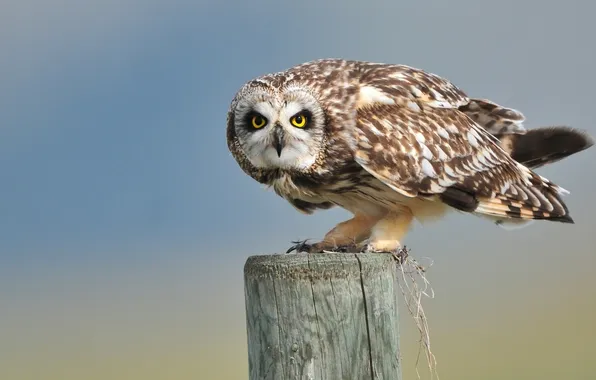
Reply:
x=322, y=316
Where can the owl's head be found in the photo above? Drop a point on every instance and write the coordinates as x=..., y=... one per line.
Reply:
x=278, y=126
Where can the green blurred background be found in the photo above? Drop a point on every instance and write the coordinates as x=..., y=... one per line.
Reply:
x=125, y=222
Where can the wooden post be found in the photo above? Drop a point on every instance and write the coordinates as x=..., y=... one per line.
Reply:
x=322, y=316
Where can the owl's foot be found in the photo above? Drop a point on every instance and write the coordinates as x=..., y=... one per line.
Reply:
x=303, y=246
x=347, y=248
x=399, y=253
x=324, y=247
x=382, y=246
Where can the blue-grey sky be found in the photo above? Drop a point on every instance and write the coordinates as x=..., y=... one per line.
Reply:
x=118, y=189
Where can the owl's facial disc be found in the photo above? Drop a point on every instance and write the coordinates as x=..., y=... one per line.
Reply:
x=284, y=131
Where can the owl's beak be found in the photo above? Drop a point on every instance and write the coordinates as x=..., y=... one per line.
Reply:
x=278, y=139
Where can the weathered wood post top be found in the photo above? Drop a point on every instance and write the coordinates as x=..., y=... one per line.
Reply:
x=322, y=316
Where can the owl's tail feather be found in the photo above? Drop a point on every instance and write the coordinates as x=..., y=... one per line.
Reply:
x=546, y=145
x=530, y=147
x=526, y=204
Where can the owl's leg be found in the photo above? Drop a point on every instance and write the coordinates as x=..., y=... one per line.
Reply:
x=344, y=237
x=388, y=233
x=351, y=232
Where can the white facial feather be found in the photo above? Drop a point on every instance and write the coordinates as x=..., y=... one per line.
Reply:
x=267, y=110
x=300, y=146
x=290, y=110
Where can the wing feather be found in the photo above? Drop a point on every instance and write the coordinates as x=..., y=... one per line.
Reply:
x=423, y=153
x=406, y=84
x=496, y=119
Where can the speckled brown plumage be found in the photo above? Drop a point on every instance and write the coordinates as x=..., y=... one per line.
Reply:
x=391, y=143
x=423, y=153
x=495, y=118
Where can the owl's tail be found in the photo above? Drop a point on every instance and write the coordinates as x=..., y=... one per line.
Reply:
x=521, y=204
x=541, y=201
x=530, y=147
x=546, y=145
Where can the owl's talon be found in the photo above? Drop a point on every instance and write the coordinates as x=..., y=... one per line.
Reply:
x=301, y=246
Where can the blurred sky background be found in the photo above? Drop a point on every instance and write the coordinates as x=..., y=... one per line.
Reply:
x=125, y=223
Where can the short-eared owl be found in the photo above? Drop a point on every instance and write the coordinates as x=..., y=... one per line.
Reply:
x=391, y=143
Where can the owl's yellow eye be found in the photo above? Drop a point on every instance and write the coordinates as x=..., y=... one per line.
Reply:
x=299, y=120
x=258, y=121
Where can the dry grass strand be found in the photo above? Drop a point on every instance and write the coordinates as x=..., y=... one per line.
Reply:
x=414, y=285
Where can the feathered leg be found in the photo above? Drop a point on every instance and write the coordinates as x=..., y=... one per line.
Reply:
x=388, y=233
x=344, y=237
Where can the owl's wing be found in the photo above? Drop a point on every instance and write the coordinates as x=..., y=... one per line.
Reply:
x=496, y=119
x=405, y=84
x=440, y=152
